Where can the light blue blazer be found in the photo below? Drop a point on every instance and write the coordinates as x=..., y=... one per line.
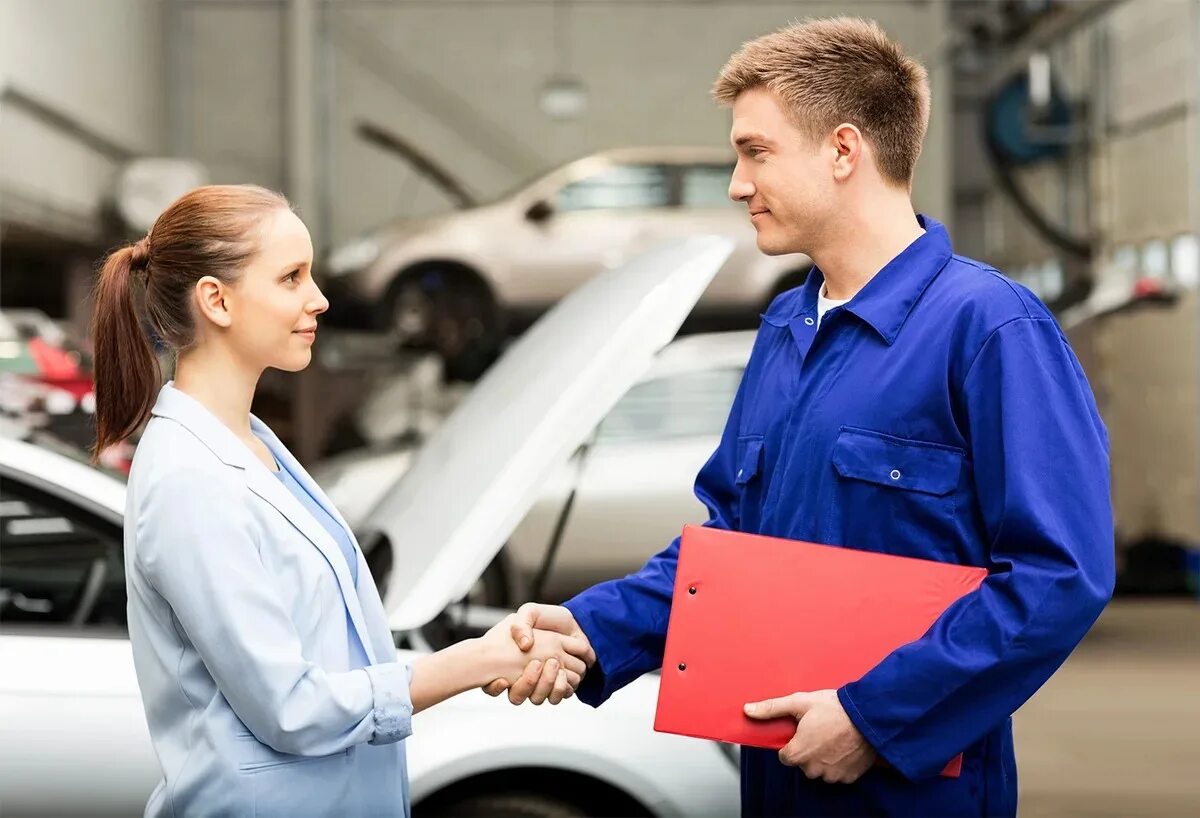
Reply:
x=238, y=602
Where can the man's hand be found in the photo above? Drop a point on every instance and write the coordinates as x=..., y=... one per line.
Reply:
x=537, y=684
x=827, y=745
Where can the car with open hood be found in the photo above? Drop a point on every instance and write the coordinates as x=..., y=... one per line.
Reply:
x=638, y=467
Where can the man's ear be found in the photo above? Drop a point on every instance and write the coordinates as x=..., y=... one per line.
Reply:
x=210, y=300
x=848, y=148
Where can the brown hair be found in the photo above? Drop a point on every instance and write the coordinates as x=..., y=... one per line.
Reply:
x=835, y=70
x=209, y=231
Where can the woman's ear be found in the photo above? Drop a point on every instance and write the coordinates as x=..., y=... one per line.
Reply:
x=210, y=298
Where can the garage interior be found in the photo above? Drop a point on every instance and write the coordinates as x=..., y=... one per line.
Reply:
x=1063, y=148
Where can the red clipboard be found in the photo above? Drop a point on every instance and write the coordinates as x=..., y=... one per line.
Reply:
x=756, y=617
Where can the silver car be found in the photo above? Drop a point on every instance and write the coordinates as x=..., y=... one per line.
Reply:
x=457, y=282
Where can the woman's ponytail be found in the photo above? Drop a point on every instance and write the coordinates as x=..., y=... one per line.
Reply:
x=126, y=371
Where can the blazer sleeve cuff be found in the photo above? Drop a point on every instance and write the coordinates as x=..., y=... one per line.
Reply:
x=392, y=709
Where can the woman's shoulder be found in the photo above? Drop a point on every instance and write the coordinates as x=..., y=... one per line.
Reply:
x=169, y=452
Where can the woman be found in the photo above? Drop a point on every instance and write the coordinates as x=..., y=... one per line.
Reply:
x=267, y=669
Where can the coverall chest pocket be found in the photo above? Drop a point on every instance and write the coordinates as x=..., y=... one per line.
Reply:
x=748, y=479
x=894, y=494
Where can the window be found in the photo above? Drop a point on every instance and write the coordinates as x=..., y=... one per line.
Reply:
x=1185, y=260
x=61, y=566
x=695, y=404
x=705, y=186
x=1156, y=259
x=617, y=188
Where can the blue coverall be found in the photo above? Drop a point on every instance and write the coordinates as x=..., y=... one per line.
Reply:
x=939, y=414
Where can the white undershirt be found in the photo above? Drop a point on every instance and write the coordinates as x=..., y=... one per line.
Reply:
x=825, y=304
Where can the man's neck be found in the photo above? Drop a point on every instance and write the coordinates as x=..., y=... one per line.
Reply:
x=862, y=244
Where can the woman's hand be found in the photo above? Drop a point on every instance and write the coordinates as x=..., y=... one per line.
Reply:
x=553, y=657
x=536, y=686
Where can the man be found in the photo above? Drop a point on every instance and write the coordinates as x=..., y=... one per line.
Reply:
x=903, y=400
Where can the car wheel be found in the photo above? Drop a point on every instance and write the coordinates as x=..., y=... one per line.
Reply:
x=507, y=805
x=449, y=312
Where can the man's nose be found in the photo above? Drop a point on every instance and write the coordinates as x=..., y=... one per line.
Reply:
x=740, y=188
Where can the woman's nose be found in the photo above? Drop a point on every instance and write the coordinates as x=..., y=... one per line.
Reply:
x=320, y=303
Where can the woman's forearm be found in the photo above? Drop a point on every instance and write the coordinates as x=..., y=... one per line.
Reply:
x=453, y=670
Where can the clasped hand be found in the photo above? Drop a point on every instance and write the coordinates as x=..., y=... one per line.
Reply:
x=537, y=654
x=545, y=654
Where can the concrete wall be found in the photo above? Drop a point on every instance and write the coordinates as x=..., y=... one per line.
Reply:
x=1133, y=184
x=101, y=64
x=461, y=81
x=1135, y=67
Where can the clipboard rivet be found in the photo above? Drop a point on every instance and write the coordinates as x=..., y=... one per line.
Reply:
x=692, y=590
x=683, y=665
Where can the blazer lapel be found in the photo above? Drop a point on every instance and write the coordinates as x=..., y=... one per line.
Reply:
x=183, y=408
x=366, y=594
x=267, y=486
x=300, y=473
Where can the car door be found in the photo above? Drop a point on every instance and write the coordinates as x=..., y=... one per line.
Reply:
x=73, y=736
x=592, y=224
x=634, y=490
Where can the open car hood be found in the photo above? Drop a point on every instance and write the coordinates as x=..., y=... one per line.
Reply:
x=480, y=472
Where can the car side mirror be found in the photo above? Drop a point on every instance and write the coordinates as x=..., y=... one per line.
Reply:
x=539, y=211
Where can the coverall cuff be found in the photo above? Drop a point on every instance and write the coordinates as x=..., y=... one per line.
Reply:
x=886, y=753
x=392, y=708
x=597, y=685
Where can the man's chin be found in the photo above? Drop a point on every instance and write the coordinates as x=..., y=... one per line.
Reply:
x=772, y=248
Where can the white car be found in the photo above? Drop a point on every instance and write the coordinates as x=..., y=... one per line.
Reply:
x=638, y=467
x=73, y=738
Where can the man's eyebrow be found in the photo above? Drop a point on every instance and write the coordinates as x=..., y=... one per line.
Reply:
x=751, y=137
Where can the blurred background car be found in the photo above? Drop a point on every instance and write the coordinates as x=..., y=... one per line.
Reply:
x=457, y=283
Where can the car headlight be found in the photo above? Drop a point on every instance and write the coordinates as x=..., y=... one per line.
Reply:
x=733, y=752
x=351, y=257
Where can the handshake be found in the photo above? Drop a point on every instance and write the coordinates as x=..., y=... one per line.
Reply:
x=542, y=654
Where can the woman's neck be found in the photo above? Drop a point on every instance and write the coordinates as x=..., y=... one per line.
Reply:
x=222, y=384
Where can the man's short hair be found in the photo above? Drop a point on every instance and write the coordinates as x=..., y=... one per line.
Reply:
x=835, y=70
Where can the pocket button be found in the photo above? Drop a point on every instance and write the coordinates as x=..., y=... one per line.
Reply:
x=895, y=475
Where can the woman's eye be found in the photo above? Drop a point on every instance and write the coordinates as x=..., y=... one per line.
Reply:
x=292, y=276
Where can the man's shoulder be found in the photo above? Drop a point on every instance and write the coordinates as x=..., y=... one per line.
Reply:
x=980, y=295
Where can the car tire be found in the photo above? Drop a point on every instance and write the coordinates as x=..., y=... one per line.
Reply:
x=506, y=805
x=450, y=311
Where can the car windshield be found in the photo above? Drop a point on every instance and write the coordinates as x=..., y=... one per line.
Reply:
x=690, y=404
